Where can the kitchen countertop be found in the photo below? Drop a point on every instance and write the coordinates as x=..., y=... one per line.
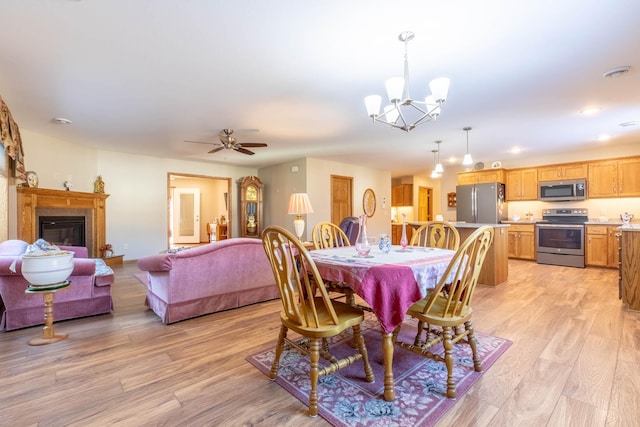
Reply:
x=460, y=224
x=522, y=221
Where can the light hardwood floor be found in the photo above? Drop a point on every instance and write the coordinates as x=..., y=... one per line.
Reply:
x=575, y=361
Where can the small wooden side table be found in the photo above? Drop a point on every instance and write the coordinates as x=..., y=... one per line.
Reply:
x=113, y=260
x=48, y=292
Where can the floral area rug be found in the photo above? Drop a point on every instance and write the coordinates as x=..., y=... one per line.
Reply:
x=346, y=399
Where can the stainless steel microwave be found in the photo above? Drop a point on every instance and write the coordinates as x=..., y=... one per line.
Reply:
x=562, y=191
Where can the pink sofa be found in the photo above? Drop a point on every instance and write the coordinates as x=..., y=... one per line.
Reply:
x=213, y=277
x=88, y=295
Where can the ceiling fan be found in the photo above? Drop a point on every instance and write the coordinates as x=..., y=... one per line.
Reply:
x=229, y=142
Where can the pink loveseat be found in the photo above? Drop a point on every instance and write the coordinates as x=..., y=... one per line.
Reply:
x=88, y=295
x=209, y=278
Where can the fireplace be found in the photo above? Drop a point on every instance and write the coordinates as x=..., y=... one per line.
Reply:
x=36, y=203
x=63, y=230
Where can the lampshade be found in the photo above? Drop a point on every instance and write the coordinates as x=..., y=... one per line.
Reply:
x=299, y=204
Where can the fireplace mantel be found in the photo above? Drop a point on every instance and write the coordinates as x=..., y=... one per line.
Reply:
x=31, y=199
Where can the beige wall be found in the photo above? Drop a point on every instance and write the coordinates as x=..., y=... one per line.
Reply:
x=137, y=185
x=313, y=176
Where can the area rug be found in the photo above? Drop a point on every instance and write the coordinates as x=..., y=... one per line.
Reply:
x=346, y=399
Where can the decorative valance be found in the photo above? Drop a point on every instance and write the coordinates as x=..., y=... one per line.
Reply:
x=10, y=139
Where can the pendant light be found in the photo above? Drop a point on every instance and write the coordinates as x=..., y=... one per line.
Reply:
x=467, y=161
x=434, y=173
x=439, y=169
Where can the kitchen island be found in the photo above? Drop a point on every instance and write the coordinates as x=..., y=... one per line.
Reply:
x=630, y=266
x=496, y=265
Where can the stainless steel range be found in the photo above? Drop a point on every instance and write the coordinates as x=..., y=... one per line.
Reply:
x=560, y=237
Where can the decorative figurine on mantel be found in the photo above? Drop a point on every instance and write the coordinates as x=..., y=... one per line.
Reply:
x=98, y=186
x=32, y=179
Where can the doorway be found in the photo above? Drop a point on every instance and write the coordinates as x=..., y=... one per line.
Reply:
x=185, y=214
x=214, y=202
x=341, y=198
x=425, y=204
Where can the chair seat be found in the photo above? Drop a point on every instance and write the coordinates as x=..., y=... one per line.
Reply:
x=347, y=317
x=416, y=310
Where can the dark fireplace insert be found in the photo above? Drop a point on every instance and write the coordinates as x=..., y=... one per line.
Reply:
x=63, y=230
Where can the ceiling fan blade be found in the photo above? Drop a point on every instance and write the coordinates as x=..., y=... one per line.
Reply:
x=215, y=150
x=253, y=144
x=202, y=142
x=244, y=151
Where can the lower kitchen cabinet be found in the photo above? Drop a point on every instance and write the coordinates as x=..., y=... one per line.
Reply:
x=602, y=246
x=522, y=241
x=396, y=233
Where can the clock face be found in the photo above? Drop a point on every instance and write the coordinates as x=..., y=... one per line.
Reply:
x=369, y=202
x=252, y=193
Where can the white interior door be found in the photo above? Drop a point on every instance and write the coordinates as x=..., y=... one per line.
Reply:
x=186, y=215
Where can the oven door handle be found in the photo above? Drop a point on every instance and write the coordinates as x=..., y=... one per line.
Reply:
x=560, y=225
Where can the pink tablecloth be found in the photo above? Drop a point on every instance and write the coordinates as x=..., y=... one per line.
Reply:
x=389, y=283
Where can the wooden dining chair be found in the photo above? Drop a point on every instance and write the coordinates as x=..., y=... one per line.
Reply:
x=314, y=316
x=328, y=235
x=436, y=234
x=450, y=309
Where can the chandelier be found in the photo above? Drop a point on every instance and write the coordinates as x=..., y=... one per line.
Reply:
x=402, y=112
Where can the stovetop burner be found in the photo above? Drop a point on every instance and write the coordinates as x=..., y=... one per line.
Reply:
x=564, y=216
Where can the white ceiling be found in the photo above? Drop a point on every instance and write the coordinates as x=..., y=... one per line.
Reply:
x=143, y=76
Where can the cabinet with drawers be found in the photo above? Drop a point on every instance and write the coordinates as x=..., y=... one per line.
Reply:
x=522, y=241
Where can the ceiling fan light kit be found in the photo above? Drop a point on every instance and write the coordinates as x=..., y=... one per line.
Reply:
x=402, y=112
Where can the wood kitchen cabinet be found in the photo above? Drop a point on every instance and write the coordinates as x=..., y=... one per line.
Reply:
x=602, y=246
x=522, y=184
x=480, y=177
x=629, y=267
x=522, y=241
x=402, y=195
x=614, y=178
x=396, y=233
x=563, y=171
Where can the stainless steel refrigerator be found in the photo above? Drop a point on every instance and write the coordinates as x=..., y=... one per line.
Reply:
x=481, y=203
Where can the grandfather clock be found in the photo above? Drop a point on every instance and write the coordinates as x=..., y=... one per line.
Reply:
x=250, y=206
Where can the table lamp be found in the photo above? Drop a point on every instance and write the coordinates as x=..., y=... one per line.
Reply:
x=299, y=205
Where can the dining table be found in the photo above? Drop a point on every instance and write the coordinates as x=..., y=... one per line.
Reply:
x=388, y=282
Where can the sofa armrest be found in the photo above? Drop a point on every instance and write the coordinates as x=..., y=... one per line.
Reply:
x=78, y=251
x=84, y=267
x=162, y=262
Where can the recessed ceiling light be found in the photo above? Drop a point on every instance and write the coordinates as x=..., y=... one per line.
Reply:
x=516, y=150
x=62, y=121
x=630, y=123
x=617, y=72
x=590, y=111
x=604, y=137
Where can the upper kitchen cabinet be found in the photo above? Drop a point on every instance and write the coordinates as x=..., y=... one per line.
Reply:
x=402, y=195
x=563, y=171
x=614, y=178
x=522, y=184
x=481, y=177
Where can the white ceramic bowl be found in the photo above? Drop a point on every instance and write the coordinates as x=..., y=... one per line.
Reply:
x=44, y=270
x=516, y=217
